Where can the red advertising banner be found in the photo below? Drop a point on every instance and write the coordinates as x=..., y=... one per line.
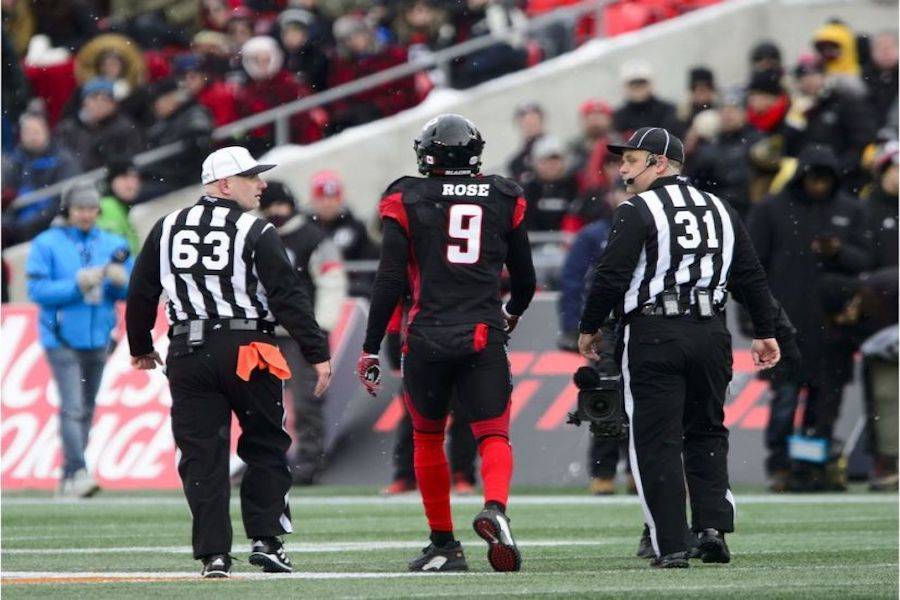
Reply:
x=131, y=440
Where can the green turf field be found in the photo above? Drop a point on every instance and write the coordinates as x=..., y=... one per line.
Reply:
x=352, y=544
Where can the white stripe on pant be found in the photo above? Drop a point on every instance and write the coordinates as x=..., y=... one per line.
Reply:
x=632, y=452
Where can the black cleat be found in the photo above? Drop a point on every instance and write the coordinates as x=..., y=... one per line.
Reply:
x=675, y=560
x=493, y=527
x=440, y=559
x=216, y=566
x=713, y=548
x=268, y=553
x=645, y=547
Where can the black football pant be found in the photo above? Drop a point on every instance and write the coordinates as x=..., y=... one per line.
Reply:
x=205, y=393
x=461, y=444
x=675, y=373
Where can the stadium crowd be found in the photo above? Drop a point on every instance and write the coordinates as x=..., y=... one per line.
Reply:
x=87, y=80
x=807, y=153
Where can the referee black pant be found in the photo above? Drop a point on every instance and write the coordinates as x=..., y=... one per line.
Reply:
x=205, y=392
x=675, y=373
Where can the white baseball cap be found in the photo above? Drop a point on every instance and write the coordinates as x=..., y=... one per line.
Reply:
x=230, y=161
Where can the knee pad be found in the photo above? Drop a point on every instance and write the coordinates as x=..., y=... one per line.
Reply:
x=495, y=426
x=420, y=422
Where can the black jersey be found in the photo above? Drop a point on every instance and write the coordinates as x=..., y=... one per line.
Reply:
x=447, y=240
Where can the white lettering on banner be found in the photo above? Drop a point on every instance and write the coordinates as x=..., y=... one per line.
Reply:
x=41, y=460
x=124, y=385
x=22, y=429
x=118, y=457
x=16, y=392
x=130, y=444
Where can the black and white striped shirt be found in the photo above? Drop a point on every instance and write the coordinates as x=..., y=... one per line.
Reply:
x=674, y=236
x=215, y=261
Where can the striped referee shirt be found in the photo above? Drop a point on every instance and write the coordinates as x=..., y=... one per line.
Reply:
x=215, y=261
x=674, y=236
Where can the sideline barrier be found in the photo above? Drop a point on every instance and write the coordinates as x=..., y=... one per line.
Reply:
x=131, y=443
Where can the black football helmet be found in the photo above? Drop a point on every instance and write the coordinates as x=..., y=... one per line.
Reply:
x=449, y=145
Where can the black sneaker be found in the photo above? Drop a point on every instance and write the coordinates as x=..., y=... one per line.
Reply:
x=694, y=546
x=675, y=560
x=216, y=566
x=268, y=553
x=440, y=559
x=713, y=548
x=493, y=527
x=645, y=546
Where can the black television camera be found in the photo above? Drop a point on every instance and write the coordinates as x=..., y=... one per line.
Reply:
x=599, y=403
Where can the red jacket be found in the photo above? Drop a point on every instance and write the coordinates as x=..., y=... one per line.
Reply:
x=389, y=98
x=257, y=96
x=218, y=98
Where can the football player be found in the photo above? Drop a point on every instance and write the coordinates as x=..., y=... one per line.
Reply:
x=447, y=237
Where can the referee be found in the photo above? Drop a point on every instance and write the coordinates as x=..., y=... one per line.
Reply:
x=227, y=279
x=672, y=254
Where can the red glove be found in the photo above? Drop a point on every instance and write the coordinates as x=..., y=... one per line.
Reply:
x=368, y=369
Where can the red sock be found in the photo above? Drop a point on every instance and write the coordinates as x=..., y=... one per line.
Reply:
x=496, y=468
x=433, y=477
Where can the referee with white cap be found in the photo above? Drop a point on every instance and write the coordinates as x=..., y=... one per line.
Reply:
x=673, y=254
x=228, y=280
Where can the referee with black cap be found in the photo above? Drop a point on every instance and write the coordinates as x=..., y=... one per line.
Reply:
x=228, y=279
x=673, y=255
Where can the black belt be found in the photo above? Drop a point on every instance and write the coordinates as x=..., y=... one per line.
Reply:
x=183, y=327
x=683, y=311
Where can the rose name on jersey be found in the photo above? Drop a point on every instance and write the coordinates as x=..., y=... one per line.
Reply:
x=463, y=189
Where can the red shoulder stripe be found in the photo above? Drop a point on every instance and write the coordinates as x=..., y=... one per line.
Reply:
x=519, y=212
x=392, y=207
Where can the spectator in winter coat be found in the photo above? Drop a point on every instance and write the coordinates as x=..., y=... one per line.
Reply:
x=768, y=105
x=76, y=273
x=836, y=44
x=553, y=190
x=269, y=85
x=98, y=131
x=338, y=221
x=179, y=118
x=304, y=57
x=880, y=76
x=723, y=167
x=641, y=107
x=588, y=151
x=838, y=117
x=123, y=187
x=206, y=87
x=35, y=163
x=881, y=209
x=766, y=56
x=702, y=95
x=576, y=278
x=808, y=233
x=529, y=119
x=360, y=54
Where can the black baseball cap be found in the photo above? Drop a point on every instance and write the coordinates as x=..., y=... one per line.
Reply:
x=654, y=140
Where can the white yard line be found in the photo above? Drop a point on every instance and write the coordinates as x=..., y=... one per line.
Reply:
x=413, y=499
x=375, y=546
x=301, y=548
x=192, y=575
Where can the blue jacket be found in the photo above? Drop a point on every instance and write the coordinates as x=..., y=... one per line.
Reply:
x=586, y=249
x=65, y=319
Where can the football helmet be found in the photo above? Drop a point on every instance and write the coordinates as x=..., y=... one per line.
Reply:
x=449, y=145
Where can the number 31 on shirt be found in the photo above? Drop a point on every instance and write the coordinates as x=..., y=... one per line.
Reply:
x=464, y=229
